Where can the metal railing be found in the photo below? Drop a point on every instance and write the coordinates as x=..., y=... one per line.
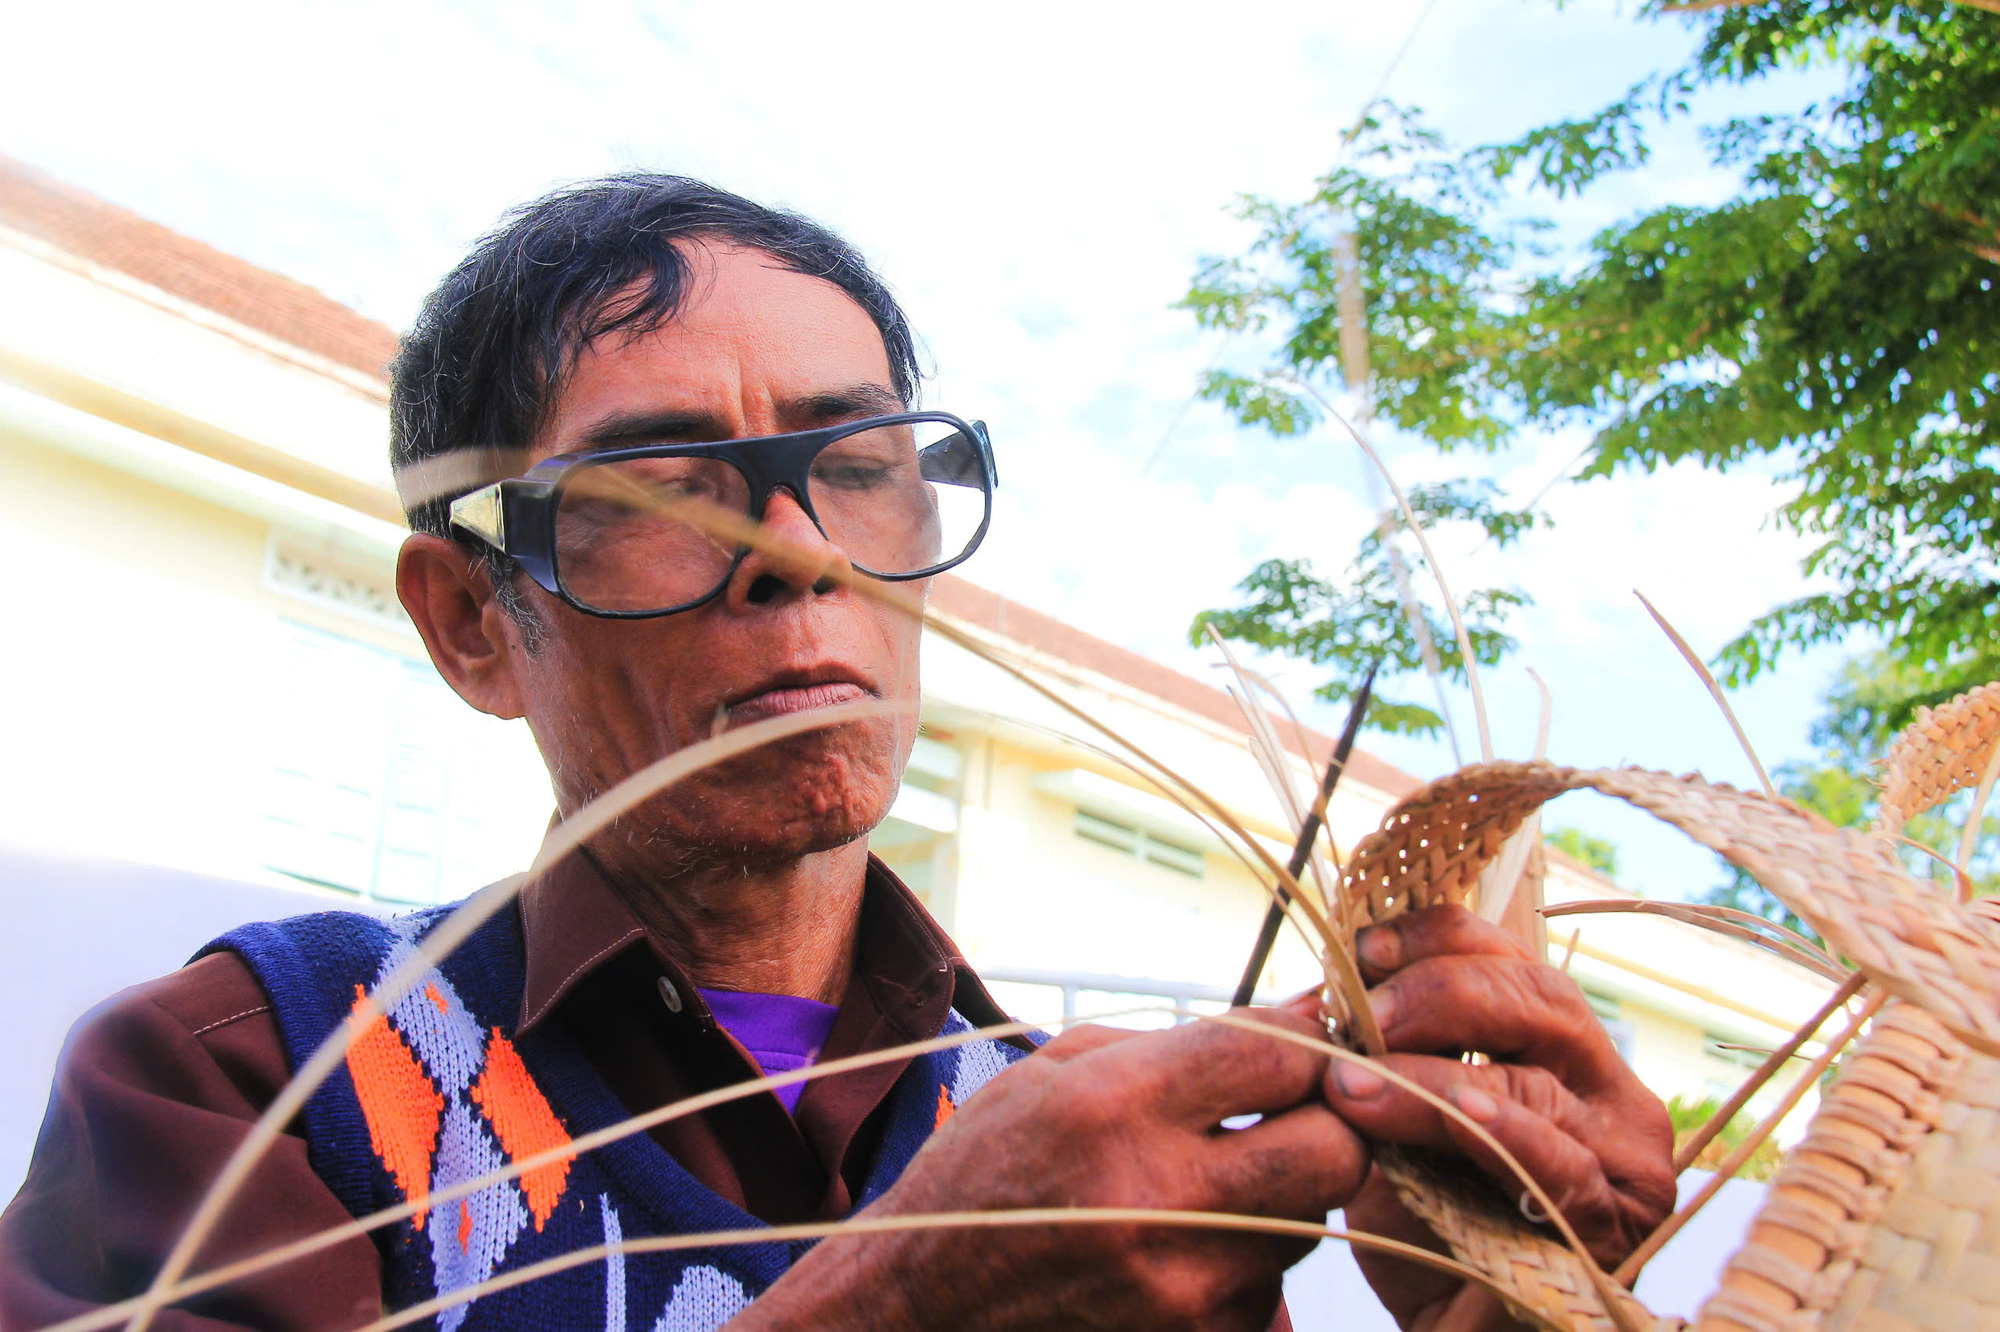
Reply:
x=1183, y=994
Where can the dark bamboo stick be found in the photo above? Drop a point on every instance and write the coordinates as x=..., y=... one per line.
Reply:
x=1267, y=937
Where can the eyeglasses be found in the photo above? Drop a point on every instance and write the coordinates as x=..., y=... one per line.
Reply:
x=615, y=532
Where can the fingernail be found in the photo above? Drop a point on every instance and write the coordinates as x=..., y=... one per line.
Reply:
x=1359, y=1083
x=1380, y=947
x=1309, y=1002
x=1382, y=1003
x=1476, y=1104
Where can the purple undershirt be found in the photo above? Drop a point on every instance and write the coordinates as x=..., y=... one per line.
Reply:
x=780, y=1031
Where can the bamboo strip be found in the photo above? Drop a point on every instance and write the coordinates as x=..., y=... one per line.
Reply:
x=1685, y=1154
x=308, y=1245
x=1969, y=837
x=1714, y=692
x=1709, y=918
x=1437, y=570
x=1725, y=1172
x=870, y=1224
x=300, y=1248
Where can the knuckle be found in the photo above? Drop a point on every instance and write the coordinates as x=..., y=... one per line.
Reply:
x=1646, y=1174
x=1028, y=1081
x=1569, y=1020
x=1140, y=1263
x=1330, y=1168
x=1431, y=990
x=1653, y=1199
x=1456, y=928
x=1449, y=918
x=1538, y=1091
x=1205, y=1044
x=1268, y=1058
x=1436, y=929
x=1599, y=1221
x=1557, y=991
x=1653, y=1127
x=1083, y=1039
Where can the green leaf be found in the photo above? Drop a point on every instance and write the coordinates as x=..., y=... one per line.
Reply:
x=1596, y=852
x=1349, y=624
x=1837, y=317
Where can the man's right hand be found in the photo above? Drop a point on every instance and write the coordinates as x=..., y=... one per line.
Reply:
x=1099, y=1119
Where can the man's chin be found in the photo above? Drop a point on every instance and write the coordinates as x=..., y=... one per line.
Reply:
x=807, y=830
x=754, y=835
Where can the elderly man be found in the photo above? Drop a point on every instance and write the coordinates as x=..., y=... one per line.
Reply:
x=651, y=336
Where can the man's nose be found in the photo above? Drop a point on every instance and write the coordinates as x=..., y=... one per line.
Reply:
x=797, y=564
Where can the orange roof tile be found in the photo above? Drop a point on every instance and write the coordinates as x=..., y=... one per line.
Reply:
x=83, y=225
x=1044, y=633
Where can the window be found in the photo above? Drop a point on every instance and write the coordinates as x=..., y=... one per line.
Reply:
x=1138, y=842
x=385, y=784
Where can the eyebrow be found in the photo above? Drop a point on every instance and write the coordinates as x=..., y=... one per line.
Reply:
x=671, y=425
x=853, y=400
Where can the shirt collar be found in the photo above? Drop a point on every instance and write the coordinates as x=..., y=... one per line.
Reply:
x=573, y=922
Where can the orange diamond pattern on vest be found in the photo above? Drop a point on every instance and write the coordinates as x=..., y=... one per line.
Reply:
x=400, y=1104
x=524, y=1123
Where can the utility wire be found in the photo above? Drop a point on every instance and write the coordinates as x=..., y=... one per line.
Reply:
x=1388, y=72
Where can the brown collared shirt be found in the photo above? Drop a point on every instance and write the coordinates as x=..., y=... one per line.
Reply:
x=157, y=1087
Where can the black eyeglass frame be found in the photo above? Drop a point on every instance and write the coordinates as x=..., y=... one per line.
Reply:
x=517, y=516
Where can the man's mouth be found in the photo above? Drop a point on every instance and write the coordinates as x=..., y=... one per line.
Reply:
x=782, y=700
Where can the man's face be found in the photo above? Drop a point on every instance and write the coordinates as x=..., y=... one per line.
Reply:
x=759, y=350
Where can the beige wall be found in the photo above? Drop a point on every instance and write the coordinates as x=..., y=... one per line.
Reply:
x=1034, y=894
x=154, y=690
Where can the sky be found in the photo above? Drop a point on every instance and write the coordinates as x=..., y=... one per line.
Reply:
x=1038, y=182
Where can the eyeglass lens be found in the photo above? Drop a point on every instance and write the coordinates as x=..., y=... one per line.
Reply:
x=895, y=499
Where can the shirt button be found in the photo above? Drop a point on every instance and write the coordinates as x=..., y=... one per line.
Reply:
x=669, y=995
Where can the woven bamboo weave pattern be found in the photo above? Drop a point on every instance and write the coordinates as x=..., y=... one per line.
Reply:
x=1540, y=1276
x=1887, y=1214
x=1943, y=751
x=1905, y=936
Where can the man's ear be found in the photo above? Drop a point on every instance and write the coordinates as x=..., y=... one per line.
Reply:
x=451, y=600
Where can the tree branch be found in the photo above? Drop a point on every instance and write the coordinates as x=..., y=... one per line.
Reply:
x=1987, y=250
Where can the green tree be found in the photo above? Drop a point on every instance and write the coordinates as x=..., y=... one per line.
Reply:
x=1362, y=617
x=1839, y=315
x=1597, y=852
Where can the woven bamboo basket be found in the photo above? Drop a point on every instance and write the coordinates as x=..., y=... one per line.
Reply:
x=1942, y=752
x=1886, y=1216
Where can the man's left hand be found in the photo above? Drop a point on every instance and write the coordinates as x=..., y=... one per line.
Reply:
x=1555, y=1092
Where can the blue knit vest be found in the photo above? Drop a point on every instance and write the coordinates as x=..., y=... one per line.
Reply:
x=443, y=1091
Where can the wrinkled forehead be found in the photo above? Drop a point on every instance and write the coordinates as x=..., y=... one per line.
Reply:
x=746, y=347
x=755, y=348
